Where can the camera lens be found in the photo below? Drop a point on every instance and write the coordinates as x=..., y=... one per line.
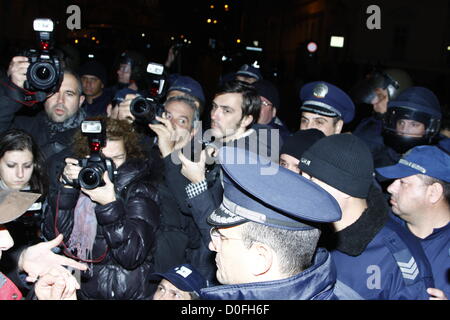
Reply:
x=42, y=75
x=89, y=178
x=143, y=109
x=140, y=106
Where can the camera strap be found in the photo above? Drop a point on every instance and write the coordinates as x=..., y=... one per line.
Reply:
x=22, y=96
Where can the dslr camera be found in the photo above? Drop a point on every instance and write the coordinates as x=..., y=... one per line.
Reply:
x=45, y=72
x=147, y=105
x=94, y=166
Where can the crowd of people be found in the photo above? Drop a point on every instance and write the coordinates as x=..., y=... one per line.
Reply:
x=97, y=202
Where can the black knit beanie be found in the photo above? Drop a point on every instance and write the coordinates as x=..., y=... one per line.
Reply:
x=342, y=161
x=94, y=68
x=300, y=141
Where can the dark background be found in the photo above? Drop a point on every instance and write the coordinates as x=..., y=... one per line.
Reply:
x=414, y=36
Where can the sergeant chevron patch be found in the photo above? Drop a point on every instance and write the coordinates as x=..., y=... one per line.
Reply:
x=407, y=265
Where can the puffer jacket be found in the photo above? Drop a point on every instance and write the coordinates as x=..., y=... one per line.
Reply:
x=125, y=235
x=318, y=282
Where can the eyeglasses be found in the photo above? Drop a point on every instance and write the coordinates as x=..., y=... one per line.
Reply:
x=267, y=104
x=216, y=235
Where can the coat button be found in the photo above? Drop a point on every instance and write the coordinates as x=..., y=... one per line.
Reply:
x=14, y=296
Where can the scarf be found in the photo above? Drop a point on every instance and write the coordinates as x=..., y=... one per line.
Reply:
x=71, y=123
x=84, y=229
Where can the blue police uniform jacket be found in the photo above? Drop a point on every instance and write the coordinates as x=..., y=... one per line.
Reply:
x=437, y=250
x=378, y=260
x=315, y=283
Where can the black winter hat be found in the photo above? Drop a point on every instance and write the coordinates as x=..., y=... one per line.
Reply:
x=342, y=161
x=300, y=141
x=269, y=91
x=94, y=68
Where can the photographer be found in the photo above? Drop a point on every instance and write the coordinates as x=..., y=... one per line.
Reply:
x=52, y=128
x=111, y=227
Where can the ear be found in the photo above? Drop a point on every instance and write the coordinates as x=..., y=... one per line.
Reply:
x=435, y=193
x=274, y=112
x=82, y=97
x=263, y=258
x=338, y=127
x=246, y=121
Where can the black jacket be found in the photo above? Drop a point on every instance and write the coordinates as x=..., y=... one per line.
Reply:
x=50, y=137
x=126, y=232
x=202, y=205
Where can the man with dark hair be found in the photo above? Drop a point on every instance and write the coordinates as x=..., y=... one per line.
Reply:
x=52, y=128
x=266, y=246
x=420, y=196
x=197, y=185
x=374, y=257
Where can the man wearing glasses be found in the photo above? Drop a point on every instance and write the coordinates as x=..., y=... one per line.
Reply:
x=266, y=246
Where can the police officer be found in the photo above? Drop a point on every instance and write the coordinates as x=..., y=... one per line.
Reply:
x=325, y=107
x=420, y=197
x=265, y=245
x=248, y=73
x=131, y=71
x=373, y=256
x=412, y=119
x=378, y=88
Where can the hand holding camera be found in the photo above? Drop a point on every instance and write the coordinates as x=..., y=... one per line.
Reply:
x=17, y=70
x=38, y=71
x=45, y=72
x=167, y=136
x=102, y=195
x=120, y=108
x=71, y=171
x=95, y=172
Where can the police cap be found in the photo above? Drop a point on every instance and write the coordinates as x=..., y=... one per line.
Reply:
x=278, y=198
x=328, y=100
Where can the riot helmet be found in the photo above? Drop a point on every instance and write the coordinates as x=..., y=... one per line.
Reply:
x=394, y=81
x=412, y=119
x=137, y=63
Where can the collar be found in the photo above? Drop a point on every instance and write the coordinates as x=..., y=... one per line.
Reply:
x=437, y=232
x=73, y=122
x=354, y=239
x=316, y=282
